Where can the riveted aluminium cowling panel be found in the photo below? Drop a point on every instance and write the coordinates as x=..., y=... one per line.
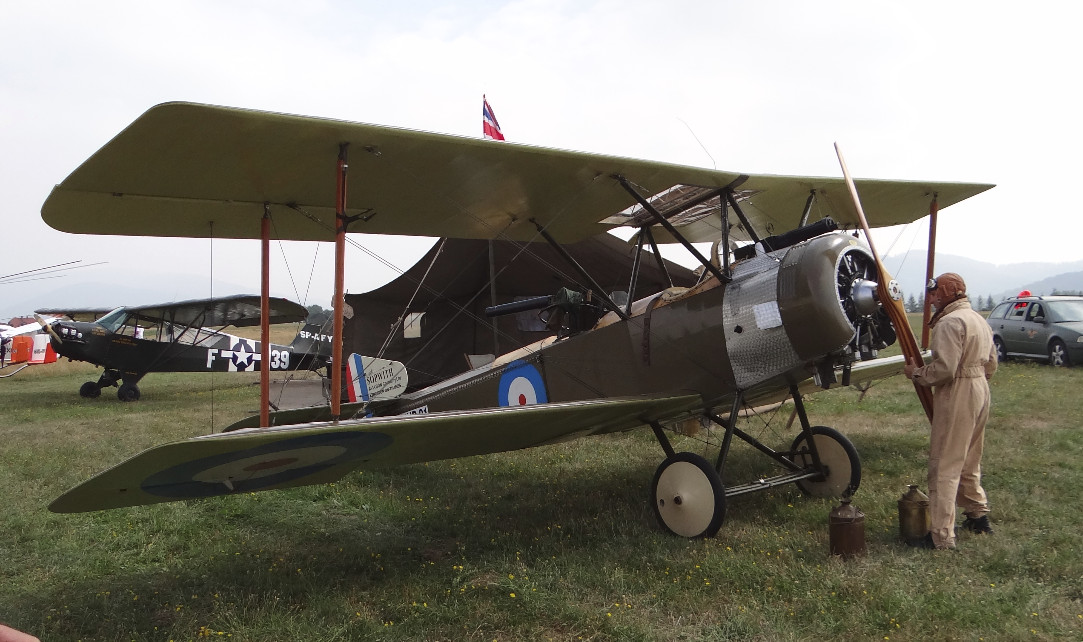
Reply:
x=757, y=344
x=809, y=302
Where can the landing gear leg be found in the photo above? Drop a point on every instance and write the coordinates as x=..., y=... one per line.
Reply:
x=93, y=390
x=838, y=459
x=688, y=497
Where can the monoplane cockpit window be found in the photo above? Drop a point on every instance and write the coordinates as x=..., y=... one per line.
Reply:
x=191, y=336
x=1063, y=311
x=114, y=320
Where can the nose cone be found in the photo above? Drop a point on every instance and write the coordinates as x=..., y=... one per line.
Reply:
x=863, y=293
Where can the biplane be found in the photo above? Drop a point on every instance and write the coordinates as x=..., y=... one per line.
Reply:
x=789, y=300
x=183, y=336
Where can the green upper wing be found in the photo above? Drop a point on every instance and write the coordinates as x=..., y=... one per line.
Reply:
x=270, y=458
x=192, y=170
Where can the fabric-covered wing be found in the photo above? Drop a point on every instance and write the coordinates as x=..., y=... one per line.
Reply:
x=270, y=458
x=192, y=170
x=862, y=372
x=76, y=314
x=241, y=310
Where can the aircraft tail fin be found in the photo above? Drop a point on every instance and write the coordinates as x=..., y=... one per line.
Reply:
x=373, y=379
x=314, y=338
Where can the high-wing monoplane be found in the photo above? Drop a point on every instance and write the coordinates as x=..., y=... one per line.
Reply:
x=183, y=336
x=788, y=302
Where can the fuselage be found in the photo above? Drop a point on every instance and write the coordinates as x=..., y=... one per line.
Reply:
x=114, y=343
x=779, y=317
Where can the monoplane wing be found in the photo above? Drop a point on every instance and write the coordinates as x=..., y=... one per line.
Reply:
x=193, y=170
x=298, y=455
x=76, y=314
x=7, y=332
x=241, y=310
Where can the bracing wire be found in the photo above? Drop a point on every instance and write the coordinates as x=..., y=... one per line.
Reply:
x=496, y=234
x=406, y=309
x=211, y=265
x=311, y=272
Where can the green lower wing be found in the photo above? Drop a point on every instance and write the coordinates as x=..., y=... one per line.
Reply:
x=270, y=458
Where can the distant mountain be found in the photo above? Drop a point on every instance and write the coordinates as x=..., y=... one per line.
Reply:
x=983, y=279
x=986, y=279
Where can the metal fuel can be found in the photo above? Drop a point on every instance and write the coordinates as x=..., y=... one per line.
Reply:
x=914, y=522
x=846, y=528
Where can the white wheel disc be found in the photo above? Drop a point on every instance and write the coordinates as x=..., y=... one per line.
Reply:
x=685, y=499
x=838, y=455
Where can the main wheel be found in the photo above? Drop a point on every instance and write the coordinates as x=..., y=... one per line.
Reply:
x=1002, y=352
x=90, y=390
x=128, y=392
x=839, y=458
x=689, y=499
x=1058, y=354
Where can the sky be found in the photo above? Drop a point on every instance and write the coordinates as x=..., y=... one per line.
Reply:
x=952, y=91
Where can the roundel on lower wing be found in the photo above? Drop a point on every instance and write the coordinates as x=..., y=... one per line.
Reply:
x=262, y=467
x=521, y=385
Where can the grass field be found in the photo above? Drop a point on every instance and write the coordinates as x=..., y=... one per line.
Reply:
x=554, y=543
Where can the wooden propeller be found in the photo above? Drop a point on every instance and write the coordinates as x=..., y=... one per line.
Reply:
x=892, y=302
x=48, y=328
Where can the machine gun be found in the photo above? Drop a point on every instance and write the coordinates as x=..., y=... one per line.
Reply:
x=566, y=313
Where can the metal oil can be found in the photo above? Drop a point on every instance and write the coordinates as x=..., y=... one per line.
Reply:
x=846, y=528
x=914, y=520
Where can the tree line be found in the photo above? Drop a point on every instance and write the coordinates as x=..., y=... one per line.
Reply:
x=913, y=304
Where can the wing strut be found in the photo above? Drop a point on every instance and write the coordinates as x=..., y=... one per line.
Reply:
x=892, y=305
x=661, y=220
x=808, y=208
x=341, y=221
x=657, y=256
x=598, y=290
x=265, y=319
x=635, y=270
x=926, y=310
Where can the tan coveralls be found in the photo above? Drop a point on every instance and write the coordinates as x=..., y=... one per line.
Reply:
x=964, y=357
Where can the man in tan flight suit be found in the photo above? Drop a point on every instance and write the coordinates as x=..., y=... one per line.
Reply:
x=964, y=358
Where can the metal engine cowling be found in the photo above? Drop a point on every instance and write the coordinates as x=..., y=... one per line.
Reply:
x=787, y=308
x=827, y=298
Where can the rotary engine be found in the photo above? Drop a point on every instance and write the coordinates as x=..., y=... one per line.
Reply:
x=811, y=303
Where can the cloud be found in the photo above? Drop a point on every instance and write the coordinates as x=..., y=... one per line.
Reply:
x=924, y=90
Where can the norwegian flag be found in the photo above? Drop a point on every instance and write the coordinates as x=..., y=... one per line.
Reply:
x=489, y=127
